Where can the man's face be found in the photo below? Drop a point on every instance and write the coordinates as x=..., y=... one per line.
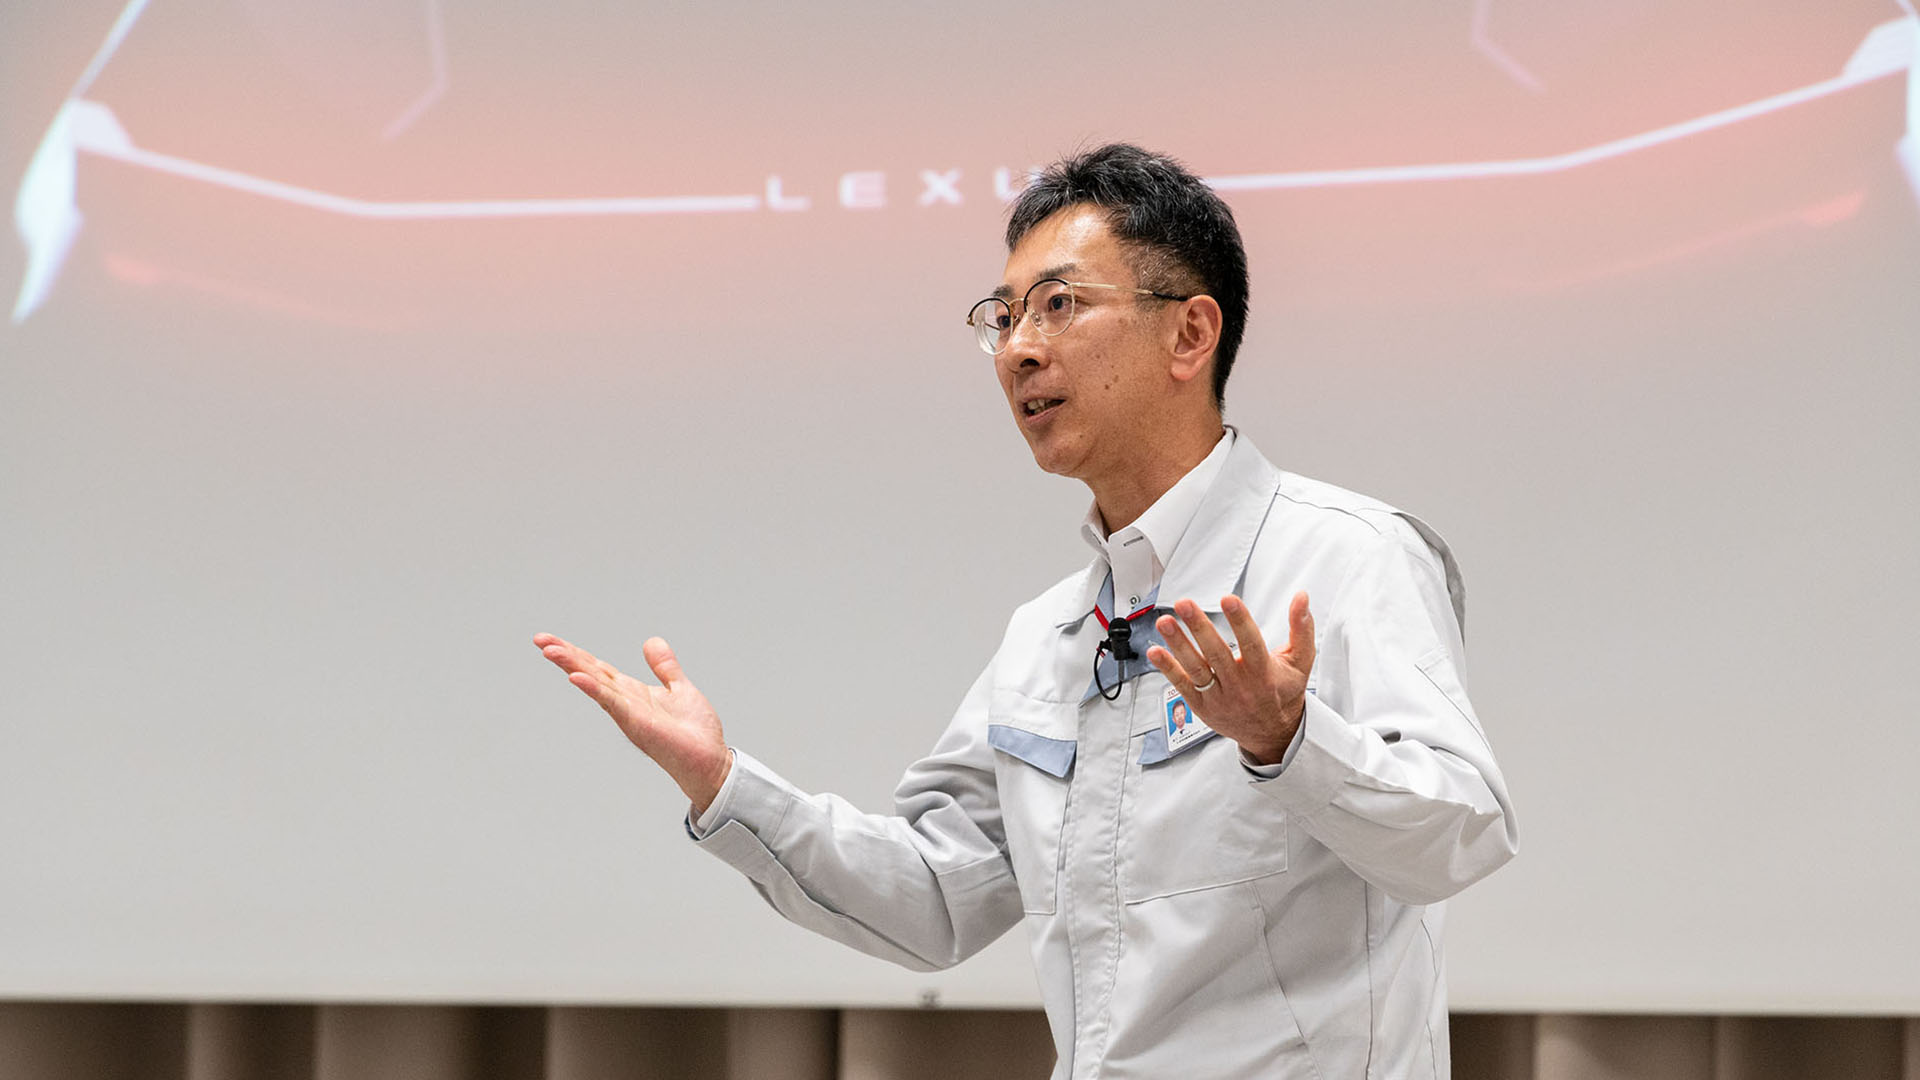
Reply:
x=1106, y=373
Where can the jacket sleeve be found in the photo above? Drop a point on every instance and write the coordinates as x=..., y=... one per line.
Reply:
x=925, y=887
x=1392, y=771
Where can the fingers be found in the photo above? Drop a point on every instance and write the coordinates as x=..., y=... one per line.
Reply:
x=1300, y=646
x=602, y=694
x=1246, y=632
x=666, y=667
x=1180, y=650
x=1219, y=656
x=567, y=656
x=571, y=658
x=1168, y=666
x=628, y=701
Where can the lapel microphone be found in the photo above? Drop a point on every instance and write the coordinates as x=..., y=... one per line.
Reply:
x=1120, y=639
x=1118, y=643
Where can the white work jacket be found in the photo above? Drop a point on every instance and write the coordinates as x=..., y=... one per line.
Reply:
x=1187, y=918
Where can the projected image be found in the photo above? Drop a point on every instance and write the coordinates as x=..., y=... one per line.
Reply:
x=158, y=191
x=345, y=345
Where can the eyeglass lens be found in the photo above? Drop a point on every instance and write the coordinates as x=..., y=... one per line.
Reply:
x=1050, y=302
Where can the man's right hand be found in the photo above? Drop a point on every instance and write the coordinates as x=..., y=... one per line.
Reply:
x=671, y=723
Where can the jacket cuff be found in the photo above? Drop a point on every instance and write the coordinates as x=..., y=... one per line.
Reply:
x=1327, y=751
x=754, y=799
x=1267, y=772
x=716, y=815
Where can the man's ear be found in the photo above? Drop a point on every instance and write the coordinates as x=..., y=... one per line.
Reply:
x=1196, y=336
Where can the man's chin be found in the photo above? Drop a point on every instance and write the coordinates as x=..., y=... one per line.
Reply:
x=1052, y=457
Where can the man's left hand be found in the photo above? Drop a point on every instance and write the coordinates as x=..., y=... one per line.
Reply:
x=1258, y=698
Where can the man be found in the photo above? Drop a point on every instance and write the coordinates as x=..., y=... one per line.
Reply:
x=1258, y=895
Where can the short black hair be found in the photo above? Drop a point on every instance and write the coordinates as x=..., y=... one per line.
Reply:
x=1181, y=233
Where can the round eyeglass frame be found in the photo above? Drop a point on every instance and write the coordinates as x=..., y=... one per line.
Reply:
x=993, y=339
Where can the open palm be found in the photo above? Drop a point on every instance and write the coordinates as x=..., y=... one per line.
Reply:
x=672, y=723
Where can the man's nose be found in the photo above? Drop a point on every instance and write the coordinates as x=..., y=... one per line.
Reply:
x=1026, y=345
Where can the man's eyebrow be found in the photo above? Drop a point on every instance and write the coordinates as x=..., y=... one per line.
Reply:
x=1005, y=292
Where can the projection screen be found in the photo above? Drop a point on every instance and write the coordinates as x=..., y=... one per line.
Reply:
x=352, y=344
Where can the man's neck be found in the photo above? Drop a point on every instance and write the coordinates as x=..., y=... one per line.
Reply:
x=1124, y=496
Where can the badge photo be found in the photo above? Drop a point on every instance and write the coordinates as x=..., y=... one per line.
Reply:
x=1183, y=727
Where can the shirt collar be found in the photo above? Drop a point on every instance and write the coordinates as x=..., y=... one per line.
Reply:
x=1164, y=525
x=1166, y=521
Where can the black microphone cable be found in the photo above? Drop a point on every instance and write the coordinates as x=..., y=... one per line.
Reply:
x=1119, y=642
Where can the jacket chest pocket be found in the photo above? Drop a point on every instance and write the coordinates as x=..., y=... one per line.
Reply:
x=1035, y=744
x=1192, y=820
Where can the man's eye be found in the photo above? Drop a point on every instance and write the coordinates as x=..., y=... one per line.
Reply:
x=1057, y=303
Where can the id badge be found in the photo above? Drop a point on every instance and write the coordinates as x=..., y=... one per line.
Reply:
x=1183, y=727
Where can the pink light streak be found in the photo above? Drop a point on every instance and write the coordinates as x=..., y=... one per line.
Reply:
x=437, y=56
x=1484, y=43
x=1875, y=61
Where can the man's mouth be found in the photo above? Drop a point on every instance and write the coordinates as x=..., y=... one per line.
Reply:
x=1040, y=405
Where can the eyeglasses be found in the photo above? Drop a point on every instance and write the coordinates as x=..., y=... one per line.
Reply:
x=1050, y=302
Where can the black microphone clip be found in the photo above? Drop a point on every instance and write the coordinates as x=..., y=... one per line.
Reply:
x=1120, y=639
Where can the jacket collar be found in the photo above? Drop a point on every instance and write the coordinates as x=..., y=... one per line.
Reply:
x=1214, y=550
